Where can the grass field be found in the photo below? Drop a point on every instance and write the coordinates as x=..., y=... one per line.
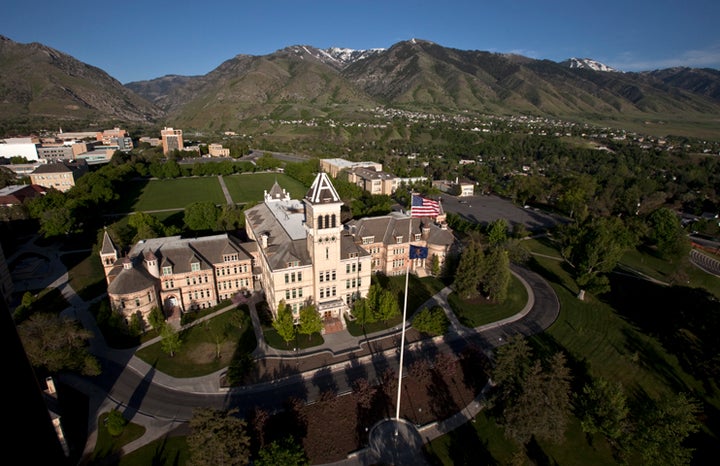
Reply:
x=475, y=313
x=206, y=347
x=250, y=187
x=169, y=194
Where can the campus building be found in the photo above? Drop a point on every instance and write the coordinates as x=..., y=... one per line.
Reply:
x=59, y=175
x=299, y=253
x=176, y=274
x=172, y=139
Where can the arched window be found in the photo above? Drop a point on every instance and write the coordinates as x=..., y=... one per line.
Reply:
x=320, y=222
x=327, y=221
x=333, y=220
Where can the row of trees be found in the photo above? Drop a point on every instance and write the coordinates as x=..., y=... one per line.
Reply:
x=532, y=399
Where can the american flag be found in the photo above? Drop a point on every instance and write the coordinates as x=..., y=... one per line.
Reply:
x=422, y=207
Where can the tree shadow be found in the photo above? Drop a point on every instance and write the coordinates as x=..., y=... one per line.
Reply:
x=686, y=321
x=354, y=370
x=537, y=455
x=465, y=448
x=290, y=420
x=324, y=381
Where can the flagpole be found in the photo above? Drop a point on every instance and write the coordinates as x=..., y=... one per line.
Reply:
x=402, y=338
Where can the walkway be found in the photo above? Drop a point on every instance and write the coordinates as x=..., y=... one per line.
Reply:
x=225, y=191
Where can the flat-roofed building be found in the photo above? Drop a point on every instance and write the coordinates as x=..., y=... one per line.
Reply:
x=172, y=139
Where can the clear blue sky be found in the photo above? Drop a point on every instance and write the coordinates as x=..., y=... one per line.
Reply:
x=144, y=39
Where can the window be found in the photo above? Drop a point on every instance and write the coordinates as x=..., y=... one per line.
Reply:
x=322, y=293
x=299, y=275
x=398, y=239
x=287, y=278
x=368, y=239
x=322, y=276
x=167, y=270
x=195, y=266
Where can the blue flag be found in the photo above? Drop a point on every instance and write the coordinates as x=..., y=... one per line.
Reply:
x=418, y=252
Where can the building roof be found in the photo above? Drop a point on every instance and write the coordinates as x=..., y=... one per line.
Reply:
x=282, y=223
x=387, y=228
x=108, y=247
x=17, y=194
x=133, y=280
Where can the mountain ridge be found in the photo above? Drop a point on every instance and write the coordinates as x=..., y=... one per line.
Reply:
x=302, y=81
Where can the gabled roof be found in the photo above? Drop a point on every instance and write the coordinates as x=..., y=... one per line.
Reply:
x=322, y=191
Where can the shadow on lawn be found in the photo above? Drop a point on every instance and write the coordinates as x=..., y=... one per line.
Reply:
x=686, y=321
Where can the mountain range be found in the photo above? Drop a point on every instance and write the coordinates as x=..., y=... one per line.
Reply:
x=304, y=82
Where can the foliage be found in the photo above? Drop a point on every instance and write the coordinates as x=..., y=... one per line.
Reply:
x=171, y=340
x=542, y=408
x=602, y=408
x=310, y=321
x=156, y=318
x=115, y=422
x=362, y=312
x=593, y=248
x=663, y=428
x=497, y=232
x=284, y=322
x=218, y=437
x=202, y=216
x=667, y=234
x=496, y=276
x=432, y=321
x=470, y=270
x=57, y=344
x=388, y=307
x=285, y=452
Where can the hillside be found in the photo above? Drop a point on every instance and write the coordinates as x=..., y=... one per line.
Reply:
x=302, y=82
x=38, y=81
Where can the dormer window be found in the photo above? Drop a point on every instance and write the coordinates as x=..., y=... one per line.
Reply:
x=417, y=236
x=368, y=239
x=398, y=239
x=167, y=270
x=195, y=266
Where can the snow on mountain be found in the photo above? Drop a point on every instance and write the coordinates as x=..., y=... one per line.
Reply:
x=347, y=56
x=588, y=64
x=335, y=56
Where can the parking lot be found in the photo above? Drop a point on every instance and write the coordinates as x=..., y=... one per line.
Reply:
x=486, y=209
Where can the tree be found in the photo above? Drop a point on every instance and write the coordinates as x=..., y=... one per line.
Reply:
x=362, y=312
x=115, y=422
x=663, y=428
x=497, y=232
x=201, y=216
x=469, y=271
x=432, y=321
x=218, y=437
x=284, y=322
x=146, y=226
x=285, y=452
x=511, y=368
x=593, y=249
x=156, y=318
x=667, y=234
x=57, y=344
x=171, y=341
x=310, y=321
x=389, y=307
x=364, y=392
x=542, y=408
x=602, y=408
x=496, y=278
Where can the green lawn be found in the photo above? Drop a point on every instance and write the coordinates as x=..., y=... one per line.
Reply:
x=474, y=314
x=616, y=336
x=170, y=194
x=108, y=446
x=250, y=187
x=273, y=339
x=85, y=274
x=206, y=347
